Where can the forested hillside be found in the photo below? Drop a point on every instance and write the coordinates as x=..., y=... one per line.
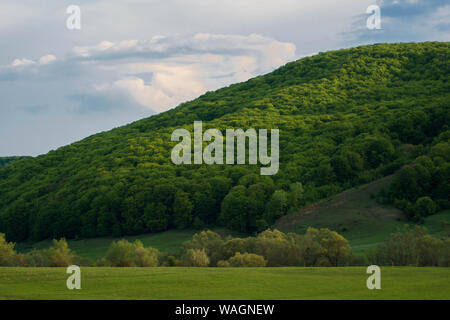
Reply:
x=345, y=117
x=6, y=160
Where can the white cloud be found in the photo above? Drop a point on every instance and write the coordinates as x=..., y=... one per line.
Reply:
x=21, y=62
x=27, y=62
x=170, y=86
x=47, y=59
x=182, y=67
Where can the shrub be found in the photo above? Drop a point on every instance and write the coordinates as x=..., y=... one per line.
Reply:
x=103, y=262
x=172, y=261
x=232, y=246
x=336, y=247
x=38, y=258
x=209, y=241
x=146, y=257
x=7, y=253
x=277, y=248
x=424, y=207
x=123, y=253
x=412, y=246
x=223, y=264
x=20, y=260
x=247, y=260
x=60, y=254
x=196, y=258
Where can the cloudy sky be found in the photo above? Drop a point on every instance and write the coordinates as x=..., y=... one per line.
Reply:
x=134, y=58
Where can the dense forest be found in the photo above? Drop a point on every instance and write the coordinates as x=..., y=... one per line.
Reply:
x=6, y=160
x=345, y=117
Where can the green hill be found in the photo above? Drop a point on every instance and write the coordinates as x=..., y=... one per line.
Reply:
x=346, y=118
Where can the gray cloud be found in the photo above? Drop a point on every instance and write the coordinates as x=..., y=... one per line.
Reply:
x=404, y=21
x=87, y=103
x=406, y=10
x=35, y=109
x=129, y=74
x=111, y=79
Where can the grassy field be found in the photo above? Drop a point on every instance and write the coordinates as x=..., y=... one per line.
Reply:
x=224, y=283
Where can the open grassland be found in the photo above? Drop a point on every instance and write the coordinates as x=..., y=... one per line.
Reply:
x=225, y=283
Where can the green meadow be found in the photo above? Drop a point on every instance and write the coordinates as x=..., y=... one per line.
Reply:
x=225, y=283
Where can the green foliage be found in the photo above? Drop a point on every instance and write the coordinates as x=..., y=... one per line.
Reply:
x=208, y=241
x=278, y=248
x=126, y=254
x=7, y=253
x=276, y=207
x=345, y=117
x=60, y=254
x=322, y=247
x=424, y=207
x=413, y=247
x=182, y=210
x=422, y=188
x=196, y=258
x=7, y=160
x=38, y=258
x=57, y=255
x=335, y=246
x=171, y=261
x=146, y=257
x=318, y=247
x=245, y=260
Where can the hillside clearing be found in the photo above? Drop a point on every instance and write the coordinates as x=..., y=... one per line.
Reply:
x=356, y=215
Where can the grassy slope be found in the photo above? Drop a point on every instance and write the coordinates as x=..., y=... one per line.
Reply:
x=218, y=283
x=357, y=216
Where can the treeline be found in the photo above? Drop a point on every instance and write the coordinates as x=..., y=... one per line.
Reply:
x=345, y=117
x=58, y=255
x=422, y=188
x=120, y=254
x=272, y=248
x=411, y=246
x=7, y=160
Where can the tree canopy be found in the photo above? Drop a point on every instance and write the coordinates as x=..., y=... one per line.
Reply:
x=345, y=117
